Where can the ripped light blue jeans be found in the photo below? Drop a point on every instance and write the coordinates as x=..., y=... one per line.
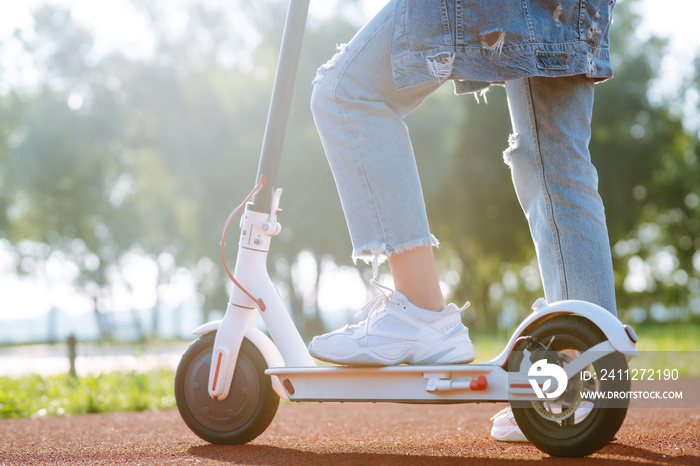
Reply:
x=359, y=115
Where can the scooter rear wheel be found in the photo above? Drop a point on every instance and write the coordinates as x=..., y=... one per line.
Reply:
x=572, y=426
x=247, y=410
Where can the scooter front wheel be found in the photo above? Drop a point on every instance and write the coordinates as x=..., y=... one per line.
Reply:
x=247, y=410
x=579, y=422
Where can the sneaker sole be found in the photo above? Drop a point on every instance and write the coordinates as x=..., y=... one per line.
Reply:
x=367, y=357
x=371, y=362
x=508, y=434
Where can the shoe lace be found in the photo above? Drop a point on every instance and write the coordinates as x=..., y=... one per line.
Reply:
x=374, y=305
x=378, y=303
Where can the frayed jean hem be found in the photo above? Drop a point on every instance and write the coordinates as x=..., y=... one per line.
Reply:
x=377, y=253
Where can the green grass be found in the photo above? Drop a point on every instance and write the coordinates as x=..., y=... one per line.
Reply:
x=669, y=346
x=37, y=396
x=676, y=336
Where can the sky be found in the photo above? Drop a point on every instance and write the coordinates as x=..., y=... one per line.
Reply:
x=117, y=26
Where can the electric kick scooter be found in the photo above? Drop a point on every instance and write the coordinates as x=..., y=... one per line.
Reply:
x=230, y=380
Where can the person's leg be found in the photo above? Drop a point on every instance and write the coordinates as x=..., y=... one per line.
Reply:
x=415, y=276
x=557, y=186
x=359, y=115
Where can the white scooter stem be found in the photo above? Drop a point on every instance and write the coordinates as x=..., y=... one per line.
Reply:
x=257, y=230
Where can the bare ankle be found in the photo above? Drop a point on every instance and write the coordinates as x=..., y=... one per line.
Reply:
x=415, y=276
x=428, y=301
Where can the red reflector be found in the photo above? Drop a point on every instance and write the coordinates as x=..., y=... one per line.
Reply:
x=288, y=386
x=520, y=385
x=480, y=383
x=216, y=373
x=630, y=333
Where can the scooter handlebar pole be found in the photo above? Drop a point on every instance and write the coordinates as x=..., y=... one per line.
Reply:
x=281, y=101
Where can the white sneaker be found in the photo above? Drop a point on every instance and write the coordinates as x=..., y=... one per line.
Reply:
x=397, y=332
x=505, y=429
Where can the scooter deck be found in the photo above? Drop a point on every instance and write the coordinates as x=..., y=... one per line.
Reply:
x=418, y=384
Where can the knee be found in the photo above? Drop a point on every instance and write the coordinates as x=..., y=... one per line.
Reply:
x=526, y=176
x=325, y=85
x=321, y=100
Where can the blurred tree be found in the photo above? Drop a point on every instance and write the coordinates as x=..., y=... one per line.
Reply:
x=648, y=172
x=63, y=163
x=111, y=156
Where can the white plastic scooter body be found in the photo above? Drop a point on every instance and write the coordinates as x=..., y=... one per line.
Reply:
x=452, y=383
x=240, y=318
x=269, y=351
x=295, y=375
x=611, y=327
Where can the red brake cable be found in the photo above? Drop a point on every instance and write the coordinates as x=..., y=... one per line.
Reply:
x=234, y=214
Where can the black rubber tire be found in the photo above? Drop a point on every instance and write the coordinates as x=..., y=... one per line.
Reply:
x=598, y=428
x=247, y=410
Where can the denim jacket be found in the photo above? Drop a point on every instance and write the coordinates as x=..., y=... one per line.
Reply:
x=479, y=42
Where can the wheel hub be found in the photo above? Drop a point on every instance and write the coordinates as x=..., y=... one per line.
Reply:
x=565, y=406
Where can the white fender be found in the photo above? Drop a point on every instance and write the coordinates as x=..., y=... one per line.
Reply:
x=611, y=327
x=272, y=356
x=206, y=328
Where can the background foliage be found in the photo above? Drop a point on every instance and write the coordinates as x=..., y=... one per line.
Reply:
x=110, y=157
